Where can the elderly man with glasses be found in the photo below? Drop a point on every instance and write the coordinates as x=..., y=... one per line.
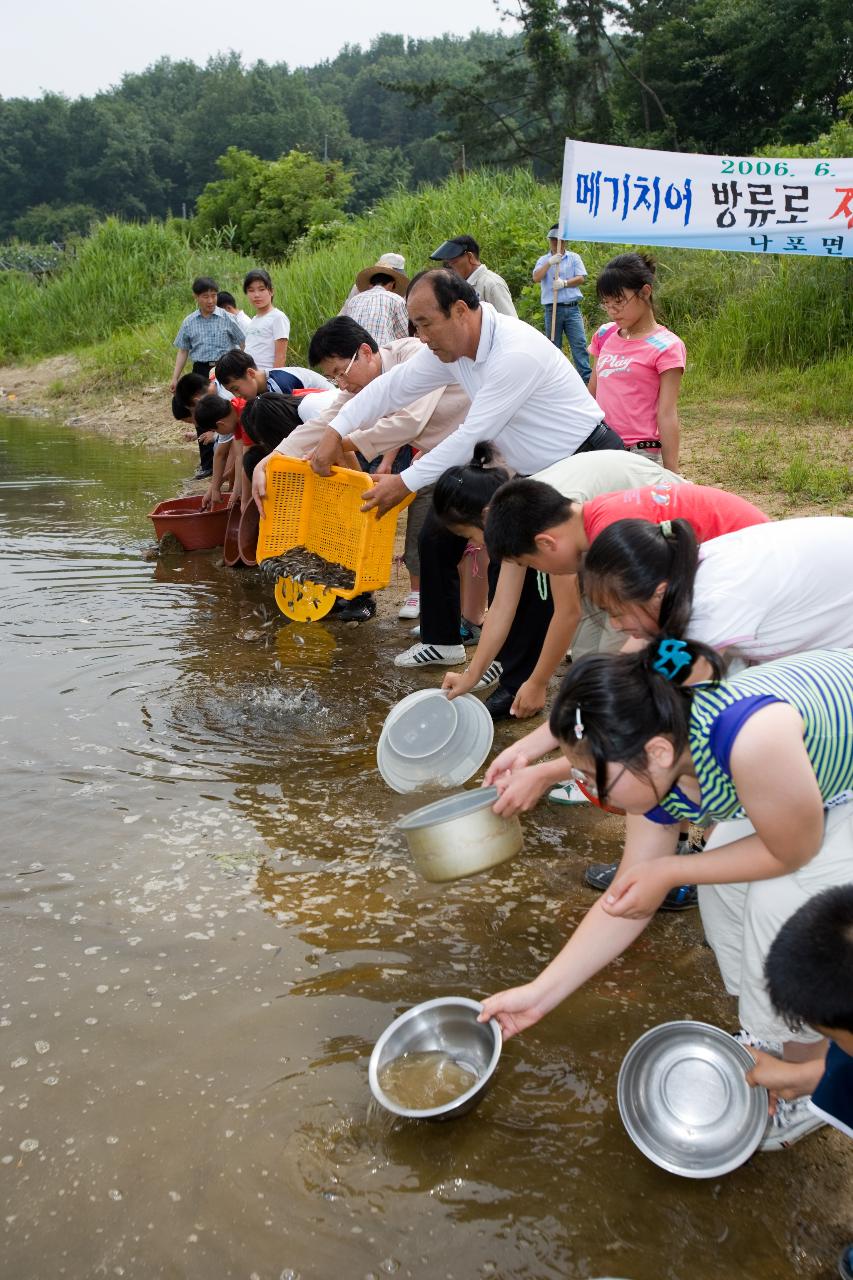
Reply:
x=525, y=398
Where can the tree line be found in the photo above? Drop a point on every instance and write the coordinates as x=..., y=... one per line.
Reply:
x=722, y=76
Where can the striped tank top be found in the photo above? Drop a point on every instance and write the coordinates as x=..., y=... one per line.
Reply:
x=818, y=683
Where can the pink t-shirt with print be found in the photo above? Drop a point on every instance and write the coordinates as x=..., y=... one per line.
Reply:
x=628, y=378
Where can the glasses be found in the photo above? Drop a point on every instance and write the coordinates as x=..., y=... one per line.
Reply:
x=336, y=381
x=579, y=775
x=618, y=304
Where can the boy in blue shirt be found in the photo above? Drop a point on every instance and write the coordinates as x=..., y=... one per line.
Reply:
x=809, y=973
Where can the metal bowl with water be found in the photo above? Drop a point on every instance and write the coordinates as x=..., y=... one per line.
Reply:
x=684, y=1099
x=447, y=1024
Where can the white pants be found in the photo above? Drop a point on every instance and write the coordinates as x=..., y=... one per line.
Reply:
x=594, y=633
x=741, y=920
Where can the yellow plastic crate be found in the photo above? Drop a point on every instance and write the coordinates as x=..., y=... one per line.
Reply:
x=321, y=513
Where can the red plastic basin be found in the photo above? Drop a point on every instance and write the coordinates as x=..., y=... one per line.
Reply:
x=196, y=530
x=247, y=534
x=231, y=548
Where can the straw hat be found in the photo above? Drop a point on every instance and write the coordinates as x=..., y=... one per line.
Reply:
x=390, y=264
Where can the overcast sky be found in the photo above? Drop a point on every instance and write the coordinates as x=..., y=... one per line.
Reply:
x=81, y=47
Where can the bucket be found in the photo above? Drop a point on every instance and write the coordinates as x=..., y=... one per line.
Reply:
x=196, y=530
x=231, y=549
x=460, y=835
x=247, y=534
x=428, y=740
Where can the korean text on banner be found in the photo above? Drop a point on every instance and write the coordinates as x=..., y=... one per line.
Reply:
x=625, y=195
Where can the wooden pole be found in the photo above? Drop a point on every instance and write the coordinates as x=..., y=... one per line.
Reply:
x=554, y=304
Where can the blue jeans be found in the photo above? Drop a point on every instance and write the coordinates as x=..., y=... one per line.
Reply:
x=570, y=323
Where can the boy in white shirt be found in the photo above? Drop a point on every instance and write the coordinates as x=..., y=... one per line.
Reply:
x=227, y=302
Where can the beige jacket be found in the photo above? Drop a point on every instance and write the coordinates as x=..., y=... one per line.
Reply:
x=491, y=287
x=423, y=423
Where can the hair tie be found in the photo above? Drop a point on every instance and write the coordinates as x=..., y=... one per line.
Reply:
x=579, y=726
x=671, y=656
x=665, y=527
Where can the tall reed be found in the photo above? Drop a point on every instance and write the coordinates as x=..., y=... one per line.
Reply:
x=123, y=296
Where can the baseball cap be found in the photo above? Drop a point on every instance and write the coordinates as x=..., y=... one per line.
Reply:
x=455, y=248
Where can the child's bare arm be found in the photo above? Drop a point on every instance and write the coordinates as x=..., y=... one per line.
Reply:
x=786, y=1079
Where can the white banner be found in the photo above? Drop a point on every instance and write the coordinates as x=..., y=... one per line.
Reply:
x=626, y=195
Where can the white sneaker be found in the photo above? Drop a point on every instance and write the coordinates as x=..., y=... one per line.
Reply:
x=749, y=1041
x=490, y=676
x=792, y=1121
x=411, y=606
x=567, y=793
x=432, y=655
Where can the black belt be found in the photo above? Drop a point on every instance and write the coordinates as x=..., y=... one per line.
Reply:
x=576, y=303
x=595, y=437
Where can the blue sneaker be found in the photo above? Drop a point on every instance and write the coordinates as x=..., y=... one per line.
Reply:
x=469, y=632
x=845, y=1263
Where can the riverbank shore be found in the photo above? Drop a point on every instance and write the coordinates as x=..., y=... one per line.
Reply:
x=748, y=440
x=53, y=388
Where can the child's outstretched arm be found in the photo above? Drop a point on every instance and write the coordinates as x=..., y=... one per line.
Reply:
x=495, y=631
x=522, y=753
x=598, y=939
x=558, y=638
x=786, y=1080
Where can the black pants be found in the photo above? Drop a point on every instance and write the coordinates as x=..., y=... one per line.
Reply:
x=205, y=451
x=440, y=552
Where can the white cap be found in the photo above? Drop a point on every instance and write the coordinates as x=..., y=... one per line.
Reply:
x=395, y=260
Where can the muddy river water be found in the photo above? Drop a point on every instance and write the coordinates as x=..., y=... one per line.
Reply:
x=208, y=919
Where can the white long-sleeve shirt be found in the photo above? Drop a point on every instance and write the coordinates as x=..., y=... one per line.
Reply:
x=526, y=397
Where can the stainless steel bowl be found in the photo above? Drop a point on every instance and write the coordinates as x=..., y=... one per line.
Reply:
x=684, y=1099
x=460, y=836
x=448, y=1024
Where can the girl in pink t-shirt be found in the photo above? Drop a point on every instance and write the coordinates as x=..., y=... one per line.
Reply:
x=638, y=362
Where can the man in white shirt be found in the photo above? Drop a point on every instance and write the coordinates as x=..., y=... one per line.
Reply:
x=525, y=397
x=462, y=255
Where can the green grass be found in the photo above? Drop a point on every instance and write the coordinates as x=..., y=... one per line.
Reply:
x=805, y=479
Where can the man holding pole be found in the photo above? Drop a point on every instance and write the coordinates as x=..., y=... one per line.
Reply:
x=559, y=275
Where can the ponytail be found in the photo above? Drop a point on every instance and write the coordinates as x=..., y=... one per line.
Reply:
x=629, y=560
x=626, y=273
x=615, y=703
x=269, y=418
x=462, y=494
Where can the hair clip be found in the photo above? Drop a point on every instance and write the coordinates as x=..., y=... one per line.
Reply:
x=671, y=656
x=665, y=527
x=579, y=727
